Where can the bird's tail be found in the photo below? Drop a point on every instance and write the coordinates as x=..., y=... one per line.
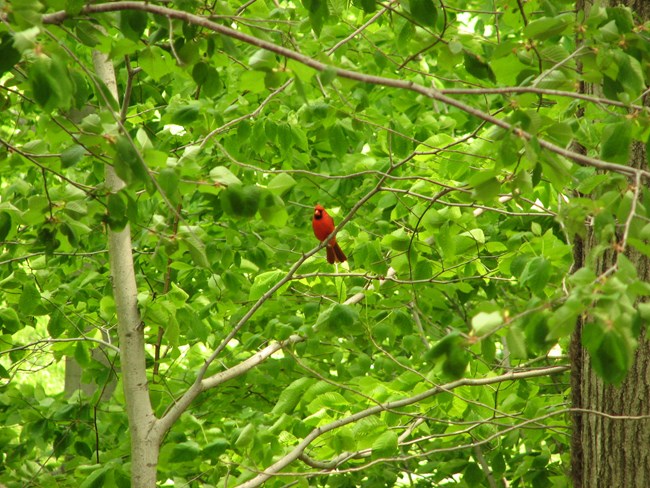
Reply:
x=335, y=254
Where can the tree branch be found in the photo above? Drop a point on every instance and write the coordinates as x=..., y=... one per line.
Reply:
x=168, y=419
x=296, y=452
x=102, y=343
x=541, y=91
x=431, y=93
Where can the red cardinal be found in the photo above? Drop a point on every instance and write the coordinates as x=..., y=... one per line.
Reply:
x=323, y=226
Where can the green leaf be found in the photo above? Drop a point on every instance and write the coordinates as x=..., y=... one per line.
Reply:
x=26, y=13
x=172, y=331
x=547, y=27
x=488, y=350
x=26, y=39
x=72, y=155
x=622, y=17
x=224, y=176
x=156, y=62
x=644, y=311
x=484, y=323
x=516, y=343
x=215, y=448
x=82, y=354
x=338, y=140
x=83, y=449
x=273, y=212
x=612, y=355
x=445, y=345
x=159, y=312
x=5, y=225
x=184, y=451
x=406, y=33
x=133, y=23
x=291, y=395
x=252, y=81
x=97, y=478
x=473, y=475
x=385, y=445
x=264, y=282
x=197, y=250
x=262, y=60
x=186, y=113
x=117, y=211
x=424, y=11
x=56, y=324
x=198, y=328
x=328, y=75
x=318, y=14
x=9, y=55
x=87, y=33
x=9, y=320
x=556, y=169
x=398, y=240
x=455, y=364
x=536, y=274
x=92, y=123
x=343, y=317
x=631, y=76
x=369, y=6
x=241, y=201
x=43, y=85
x=177, y=295
x=30, y=299
x=478, y=67
x=200, y=73
x=563, y=321
x=127, y=162
x=168, y=180
x=487, y=190
x=616, y=140
x=281, y=184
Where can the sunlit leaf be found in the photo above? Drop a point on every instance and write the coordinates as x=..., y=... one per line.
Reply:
x=485, y=323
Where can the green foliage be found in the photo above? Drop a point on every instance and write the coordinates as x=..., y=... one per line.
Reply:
x=459, y=233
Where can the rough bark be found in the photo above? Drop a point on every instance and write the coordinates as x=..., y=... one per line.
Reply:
x=611, y=452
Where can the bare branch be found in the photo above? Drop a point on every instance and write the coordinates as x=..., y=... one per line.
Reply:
x=541, y=91
x=174, y=412
x=628, y=222
x=431, y=93
x=296, y=452
x=354, y=34
x=55, y=341
x=251, y=115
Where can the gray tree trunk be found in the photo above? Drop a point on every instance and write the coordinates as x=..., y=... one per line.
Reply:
x=145, y=436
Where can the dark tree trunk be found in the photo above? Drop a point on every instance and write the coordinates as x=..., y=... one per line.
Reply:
x=611, y=452
x=606, y=451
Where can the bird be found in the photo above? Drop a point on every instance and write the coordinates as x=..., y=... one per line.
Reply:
x=323, y=225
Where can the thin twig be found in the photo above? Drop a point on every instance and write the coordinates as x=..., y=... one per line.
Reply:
x=631, y=215
x=354, y=34
x=251, y=115
x=292, y=455
x=431, y=93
